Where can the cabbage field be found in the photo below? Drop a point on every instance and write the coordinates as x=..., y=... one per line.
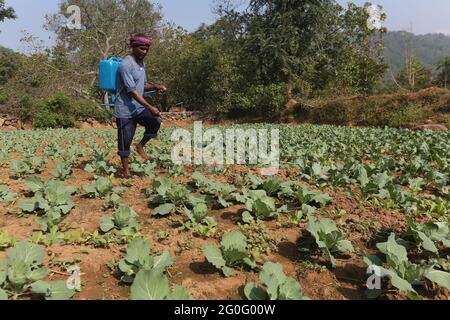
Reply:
x=353, y=213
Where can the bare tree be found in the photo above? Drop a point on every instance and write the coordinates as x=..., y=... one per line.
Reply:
x=106, y=25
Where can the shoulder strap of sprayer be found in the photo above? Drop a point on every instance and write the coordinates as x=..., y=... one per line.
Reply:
x=123, y=87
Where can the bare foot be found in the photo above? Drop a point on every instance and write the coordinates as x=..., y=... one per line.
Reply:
x=141, y=152
x=127, y=175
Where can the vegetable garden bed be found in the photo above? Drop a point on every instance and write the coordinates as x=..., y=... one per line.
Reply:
x=344, y=200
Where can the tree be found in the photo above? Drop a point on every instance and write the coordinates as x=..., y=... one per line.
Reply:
x=106, y=25
x=206, y=74
x=359, y=54
x=283, y=35
x=444, y=71
x=165, y=66
x=312, y=43
x=415, y=76
x=8, y=64
x=6, y=12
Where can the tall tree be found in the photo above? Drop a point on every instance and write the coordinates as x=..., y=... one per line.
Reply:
x=283, y=35
x=415, y=76
x=361, y=53
x=316, y=42
x=106, y=25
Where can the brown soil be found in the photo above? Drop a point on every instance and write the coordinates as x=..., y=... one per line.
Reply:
x=363, y=225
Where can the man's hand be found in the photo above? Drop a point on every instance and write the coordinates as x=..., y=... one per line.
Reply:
x=154, y=110
x=136, y=96
x=162, y=89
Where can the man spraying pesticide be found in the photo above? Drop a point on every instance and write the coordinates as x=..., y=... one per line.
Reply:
x=130, y=107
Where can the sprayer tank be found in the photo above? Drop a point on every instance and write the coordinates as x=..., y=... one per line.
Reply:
x=108, y=71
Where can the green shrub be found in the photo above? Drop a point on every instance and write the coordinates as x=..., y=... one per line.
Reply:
x=4, y=98
x=260, y=99
x=26, y=108
x=205, y=77
x=56, y=112
x=302, y=111
x=394, y=110
x=271, y=98
x=9, y=62
x=335, y=112
x=46, y=119
x=87, y=109
x=61, y=111
x=447, y=122
x=408, y=116
x=59, y=103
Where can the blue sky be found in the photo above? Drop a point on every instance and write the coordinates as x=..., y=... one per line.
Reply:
x=424, y=16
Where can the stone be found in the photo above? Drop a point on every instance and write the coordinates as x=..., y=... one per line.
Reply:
x=85, y=125
x=2, y=121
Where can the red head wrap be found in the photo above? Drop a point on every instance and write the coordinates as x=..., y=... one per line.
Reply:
x=137, y=41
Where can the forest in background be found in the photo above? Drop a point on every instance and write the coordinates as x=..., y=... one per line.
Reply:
x=429, y=49
x=247, y=62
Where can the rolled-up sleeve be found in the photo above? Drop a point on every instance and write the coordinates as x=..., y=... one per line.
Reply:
x=127, y=76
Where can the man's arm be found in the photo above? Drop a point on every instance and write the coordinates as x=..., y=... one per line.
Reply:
x=140, y=99
x=150, y=87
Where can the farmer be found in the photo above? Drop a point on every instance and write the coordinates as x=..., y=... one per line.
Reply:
x=130, y=107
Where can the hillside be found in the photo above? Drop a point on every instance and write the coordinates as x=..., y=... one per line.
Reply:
x=429, y=48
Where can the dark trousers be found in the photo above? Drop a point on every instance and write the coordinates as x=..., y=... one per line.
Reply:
x=127, y=129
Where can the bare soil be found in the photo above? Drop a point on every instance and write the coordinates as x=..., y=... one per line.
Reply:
x=364, y=225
